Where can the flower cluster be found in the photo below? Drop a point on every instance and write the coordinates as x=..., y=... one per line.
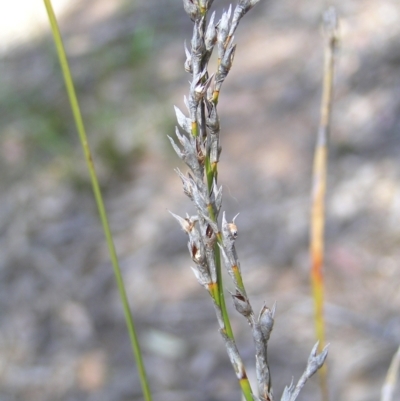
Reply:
x=199, y=147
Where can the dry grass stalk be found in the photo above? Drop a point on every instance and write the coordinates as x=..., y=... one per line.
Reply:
x=210, y=240
x=319, y=187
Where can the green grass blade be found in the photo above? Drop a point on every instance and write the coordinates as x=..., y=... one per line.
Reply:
x=98, y=197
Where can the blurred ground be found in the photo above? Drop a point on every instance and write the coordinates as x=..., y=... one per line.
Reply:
x=62, y=332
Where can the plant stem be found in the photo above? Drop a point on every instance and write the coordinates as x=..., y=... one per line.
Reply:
x=98, y=196
x=389, y=386
x=211, y=173
x=319, y=190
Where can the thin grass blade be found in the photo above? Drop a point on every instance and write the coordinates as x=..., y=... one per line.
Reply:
x=98, y=196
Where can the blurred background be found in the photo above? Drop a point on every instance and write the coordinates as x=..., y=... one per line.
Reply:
x=62, y=331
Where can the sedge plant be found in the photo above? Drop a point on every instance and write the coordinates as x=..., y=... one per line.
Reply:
x=212, y=241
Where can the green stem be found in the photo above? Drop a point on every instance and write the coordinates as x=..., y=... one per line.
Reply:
x=243, y=382
x=98, y=197
x=221, y=295
x=220, y=285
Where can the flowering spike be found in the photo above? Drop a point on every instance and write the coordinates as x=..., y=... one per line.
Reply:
x=198, y=145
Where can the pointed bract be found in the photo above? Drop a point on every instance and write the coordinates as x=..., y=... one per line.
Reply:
x=188, y=61
x=242, y=304
x=183, y=222
x=211, y=34
x=266, y=321
x=315, y=361
x=187, y=184
x=183, y=121
x=223, y=26
x=203, y=279
x=192, y=9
